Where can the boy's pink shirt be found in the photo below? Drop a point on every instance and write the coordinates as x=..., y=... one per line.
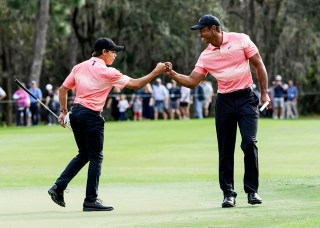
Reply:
x=229, y=64
x=93, y=81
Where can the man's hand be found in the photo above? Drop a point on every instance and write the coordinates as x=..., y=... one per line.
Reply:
x=160, y=68
x=61, y=119
x=168, y=67
x=264, y=98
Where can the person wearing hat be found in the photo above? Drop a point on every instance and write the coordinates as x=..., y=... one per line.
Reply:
x=279, y=90
x=93, y=80
x=228, y=57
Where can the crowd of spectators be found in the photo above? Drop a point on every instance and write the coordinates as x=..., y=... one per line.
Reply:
x=158, y=101
x=155, y=101
x=284, y=97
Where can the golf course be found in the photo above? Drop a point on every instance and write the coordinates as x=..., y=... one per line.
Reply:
x=162, y=174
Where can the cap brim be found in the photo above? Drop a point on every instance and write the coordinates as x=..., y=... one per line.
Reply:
x=196, y=27
x=118, y=48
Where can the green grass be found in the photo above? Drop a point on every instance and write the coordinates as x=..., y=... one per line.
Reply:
x=170, y=170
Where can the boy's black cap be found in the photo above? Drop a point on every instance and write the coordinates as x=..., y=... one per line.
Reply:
x=206, y=20
x=106, y=43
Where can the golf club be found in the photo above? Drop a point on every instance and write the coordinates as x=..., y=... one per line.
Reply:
x=264, y=106
x=25, y=89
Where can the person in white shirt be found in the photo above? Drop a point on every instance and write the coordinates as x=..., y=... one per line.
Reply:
x=185, y=102
x=2, y=94
x=123, y=105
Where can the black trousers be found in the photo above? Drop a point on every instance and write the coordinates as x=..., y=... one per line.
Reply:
x=232, y=109
x=88, y=130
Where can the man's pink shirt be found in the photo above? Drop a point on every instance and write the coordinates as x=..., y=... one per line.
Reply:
x=229, y=63
x=93, y=81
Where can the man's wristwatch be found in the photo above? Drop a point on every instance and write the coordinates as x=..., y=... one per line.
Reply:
x=63, y=110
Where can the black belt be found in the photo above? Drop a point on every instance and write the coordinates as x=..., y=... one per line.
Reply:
x=76, y=105
x=240, y=91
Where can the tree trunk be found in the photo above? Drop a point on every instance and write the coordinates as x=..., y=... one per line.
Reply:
x=39, y=43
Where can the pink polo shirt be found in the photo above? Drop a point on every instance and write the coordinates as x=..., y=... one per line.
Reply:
x=93, y=81
x=229, y=63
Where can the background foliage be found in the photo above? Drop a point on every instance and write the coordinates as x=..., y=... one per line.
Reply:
x=285, y=31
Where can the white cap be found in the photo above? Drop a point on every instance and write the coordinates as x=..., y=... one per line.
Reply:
x=49, y=87
x=278, y=78
x=158, y=80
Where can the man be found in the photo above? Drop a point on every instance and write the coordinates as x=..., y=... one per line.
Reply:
x=292, y=93
x=228, y=58
x=278, y=98
x=35, y=105
x=93, y=81
x=161, y=97
x=198, y=98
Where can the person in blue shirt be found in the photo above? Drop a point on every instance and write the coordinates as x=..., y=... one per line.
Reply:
x=34, y=105
x=161, y=97
x=278, y=98
x=292, y=97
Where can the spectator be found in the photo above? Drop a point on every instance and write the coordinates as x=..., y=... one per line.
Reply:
x=137, y=108
x=198, y=95
x=51, y=102
x=2, y=94
x=175, y=95
x=160, y=94
x=123, y=105
x=113, y=102
x=208, y=95
x=278, y=98
x=292, y=97
x=35, y=106
x=185, y=102
x=147, y=102
x=22, y=103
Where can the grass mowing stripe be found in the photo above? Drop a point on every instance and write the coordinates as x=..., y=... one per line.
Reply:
x=165, y=174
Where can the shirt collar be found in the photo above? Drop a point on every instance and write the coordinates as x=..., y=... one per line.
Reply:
x=225, y=39
x=96, y=59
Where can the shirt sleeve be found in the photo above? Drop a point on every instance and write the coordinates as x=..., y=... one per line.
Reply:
x=199, y=67
x=70, y=82
x=250, y=49
x=118, y=79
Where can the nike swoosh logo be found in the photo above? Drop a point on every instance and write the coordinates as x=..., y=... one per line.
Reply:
x=229, y=47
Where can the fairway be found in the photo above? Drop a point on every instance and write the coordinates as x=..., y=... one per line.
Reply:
x=162, y=174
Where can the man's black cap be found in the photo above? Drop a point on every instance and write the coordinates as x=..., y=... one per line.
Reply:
x=106, y=43
x=206, y=20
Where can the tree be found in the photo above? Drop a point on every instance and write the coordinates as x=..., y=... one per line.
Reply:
x=39, y=44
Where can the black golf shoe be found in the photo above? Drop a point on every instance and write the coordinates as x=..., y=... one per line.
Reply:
x=254, y=198
x=96, y=206
x=57, y=195
x=229, y=201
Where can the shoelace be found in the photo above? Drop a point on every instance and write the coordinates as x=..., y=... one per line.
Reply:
x=99, y=200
